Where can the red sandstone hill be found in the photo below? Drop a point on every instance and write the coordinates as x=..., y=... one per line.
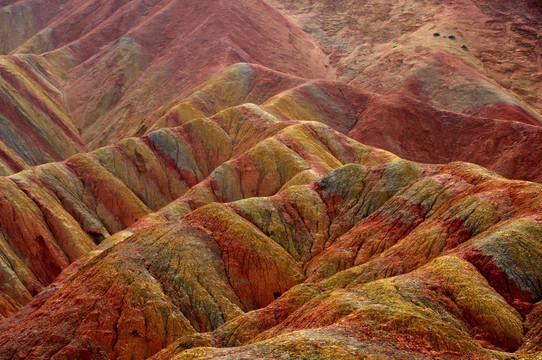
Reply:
x=121, y=60
x=417, y=48
x=103, y=66
x=270, y=179
x=324, y=243
x=392, y=259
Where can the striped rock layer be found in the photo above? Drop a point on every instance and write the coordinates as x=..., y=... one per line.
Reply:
x=270, y=179
x=257, y=233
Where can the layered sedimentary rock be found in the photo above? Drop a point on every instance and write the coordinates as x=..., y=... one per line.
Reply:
x=117, y=62
x=35, y=126
x=464, y=56
x=390, y=260
x=124, y=59
x=270, y=179
x=59, y=211
x=401, y=124
x=103, y=192
x=363, y=223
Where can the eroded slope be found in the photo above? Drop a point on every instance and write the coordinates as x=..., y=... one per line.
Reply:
x=391, y=260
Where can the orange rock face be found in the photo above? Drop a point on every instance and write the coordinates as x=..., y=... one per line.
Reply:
x=270, y=179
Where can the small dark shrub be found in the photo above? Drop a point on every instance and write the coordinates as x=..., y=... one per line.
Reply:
x=464, y=46
x=452, y=37
x=436, y=34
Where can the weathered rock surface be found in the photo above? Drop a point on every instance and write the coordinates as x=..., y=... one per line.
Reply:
x=393, y=259
x=124, y=59
x=107, y=66
x=380, y=225
x=401, y=124
x=35, y=126
x=270, y=179
x=416, y=48
x=60, y=211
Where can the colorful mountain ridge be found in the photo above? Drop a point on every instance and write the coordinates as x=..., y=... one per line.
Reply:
x=276, y=179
